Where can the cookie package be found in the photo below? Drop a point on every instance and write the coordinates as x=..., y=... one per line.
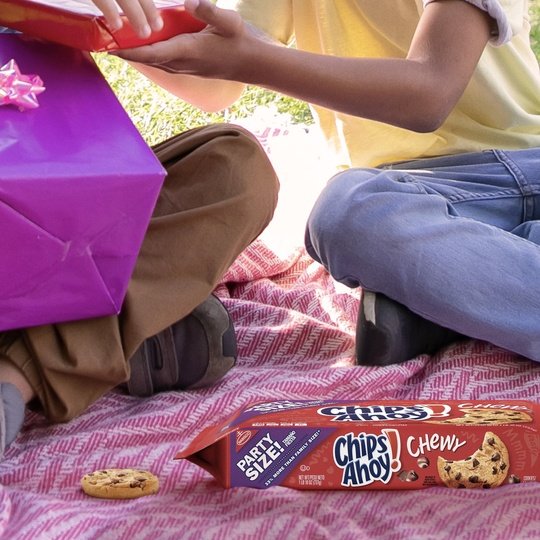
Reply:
x=373, y=445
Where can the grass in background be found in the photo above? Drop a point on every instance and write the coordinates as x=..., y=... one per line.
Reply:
x=158, y=115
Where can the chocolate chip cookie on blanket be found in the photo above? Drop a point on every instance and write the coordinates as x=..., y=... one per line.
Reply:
x=119, y=483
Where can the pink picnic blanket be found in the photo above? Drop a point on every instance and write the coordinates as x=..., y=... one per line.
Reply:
x=296, y=336
x=295, y=329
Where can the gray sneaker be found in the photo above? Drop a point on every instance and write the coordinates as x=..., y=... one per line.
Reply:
x=196, y=351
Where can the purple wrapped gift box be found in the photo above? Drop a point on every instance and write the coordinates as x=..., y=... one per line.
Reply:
x=78, y=185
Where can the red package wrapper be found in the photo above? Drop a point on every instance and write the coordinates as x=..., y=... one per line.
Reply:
x=79, y=24
x=373, y=445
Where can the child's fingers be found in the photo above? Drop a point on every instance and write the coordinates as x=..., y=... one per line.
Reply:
x=225, y=21
x=142, y=14
x=110, y=11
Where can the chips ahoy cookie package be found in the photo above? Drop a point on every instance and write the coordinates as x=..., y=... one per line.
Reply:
x=79, y=23
x=78, y=185
x=373, y=445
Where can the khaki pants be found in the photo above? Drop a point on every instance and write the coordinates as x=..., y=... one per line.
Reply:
x=219, y=194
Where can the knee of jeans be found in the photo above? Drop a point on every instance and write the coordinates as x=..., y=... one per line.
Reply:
x=351, y=227
x=336, y=216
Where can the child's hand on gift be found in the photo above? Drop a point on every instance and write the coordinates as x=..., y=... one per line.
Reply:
x=142, y=14
x=215, y=52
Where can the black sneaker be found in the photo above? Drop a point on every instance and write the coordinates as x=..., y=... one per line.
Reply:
x=389, y=333
x=196, y=351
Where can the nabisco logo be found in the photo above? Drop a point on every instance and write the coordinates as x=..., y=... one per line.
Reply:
x=243, y=436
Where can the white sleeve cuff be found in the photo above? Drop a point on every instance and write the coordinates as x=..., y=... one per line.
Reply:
x=503, y=31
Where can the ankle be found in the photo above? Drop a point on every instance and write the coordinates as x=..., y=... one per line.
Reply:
x=13, y=410
x=10, y=374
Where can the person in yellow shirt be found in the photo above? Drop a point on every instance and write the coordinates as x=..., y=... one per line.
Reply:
x=433, y=109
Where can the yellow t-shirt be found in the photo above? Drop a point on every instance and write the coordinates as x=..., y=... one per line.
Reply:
x=499, y=109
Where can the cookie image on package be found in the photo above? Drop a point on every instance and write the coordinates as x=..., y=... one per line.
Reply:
x=488, y=417
x=486, y=468
x=119, y=483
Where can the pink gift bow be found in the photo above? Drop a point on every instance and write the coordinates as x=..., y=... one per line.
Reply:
x=18, y=89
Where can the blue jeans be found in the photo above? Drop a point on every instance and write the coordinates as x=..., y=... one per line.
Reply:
x=456, y=239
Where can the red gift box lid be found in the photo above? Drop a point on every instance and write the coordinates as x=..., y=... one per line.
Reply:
x=79, y=24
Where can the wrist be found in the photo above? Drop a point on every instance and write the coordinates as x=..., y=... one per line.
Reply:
x=253, y=63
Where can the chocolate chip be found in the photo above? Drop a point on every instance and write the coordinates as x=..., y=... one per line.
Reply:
x=134, y=484
x=474, y=479
x=423, y=462
x=514, y=479
x=495, y=470
x=475, y=462
x=491, y=441
x=458, y=476
x=496, y=456
x=461, y=486
x=486, y=486
x=503, y=466
x=448, y=468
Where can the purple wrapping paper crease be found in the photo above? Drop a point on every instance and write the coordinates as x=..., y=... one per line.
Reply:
x=78, y=185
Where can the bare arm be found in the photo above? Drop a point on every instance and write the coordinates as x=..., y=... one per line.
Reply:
x=210, y=95
x=417, y=92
